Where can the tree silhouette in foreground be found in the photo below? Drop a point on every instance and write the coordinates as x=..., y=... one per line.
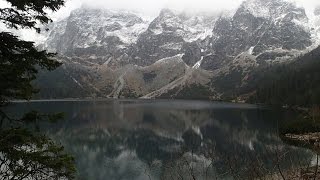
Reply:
x=26, y=153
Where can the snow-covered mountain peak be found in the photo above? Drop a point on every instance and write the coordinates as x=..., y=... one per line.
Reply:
x=167, y=21
x=274, y=9
x=109, y=20
x=190, y=27
x=316, y=11
x=315, y=24
x=282, y=13
x=87, y=28
x=167, y=13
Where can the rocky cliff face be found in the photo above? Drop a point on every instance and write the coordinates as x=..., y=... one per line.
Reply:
x=168, y=35
x=95, y=32
x=126, y=55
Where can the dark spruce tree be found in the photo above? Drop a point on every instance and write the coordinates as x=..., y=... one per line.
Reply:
x=26, y=153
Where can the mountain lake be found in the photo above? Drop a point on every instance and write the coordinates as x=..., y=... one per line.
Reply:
x=170, y=139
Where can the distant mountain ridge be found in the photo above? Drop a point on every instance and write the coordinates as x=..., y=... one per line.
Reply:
x=120, y=54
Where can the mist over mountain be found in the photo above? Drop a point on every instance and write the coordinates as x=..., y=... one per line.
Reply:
x=177, y=54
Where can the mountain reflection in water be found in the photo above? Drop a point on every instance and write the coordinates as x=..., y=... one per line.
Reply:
x=170, y=139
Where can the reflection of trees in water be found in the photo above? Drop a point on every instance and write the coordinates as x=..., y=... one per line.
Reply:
x=140, y=154
x=125, y=141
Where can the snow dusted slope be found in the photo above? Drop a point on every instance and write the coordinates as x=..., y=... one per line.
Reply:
x=168, y=34
x=56, y=31
x=274, y=9
x=315, y=26
x=198, y=27
x=287, y=10
x=190, y=27
x=268, y=29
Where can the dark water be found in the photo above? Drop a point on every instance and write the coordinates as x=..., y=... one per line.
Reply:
x=161, y=139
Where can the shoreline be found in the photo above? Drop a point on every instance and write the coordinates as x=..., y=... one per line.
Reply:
x=126, y=99
x=208, y=103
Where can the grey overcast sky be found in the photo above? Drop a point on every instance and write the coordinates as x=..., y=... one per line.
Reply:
x=152, y=7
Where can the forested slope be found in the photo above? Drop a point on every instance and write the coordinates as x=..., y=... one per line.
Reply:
x=295, y=84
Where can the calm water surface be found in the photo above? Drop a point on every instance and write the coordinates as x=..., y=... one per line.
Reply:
x=170, y=139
